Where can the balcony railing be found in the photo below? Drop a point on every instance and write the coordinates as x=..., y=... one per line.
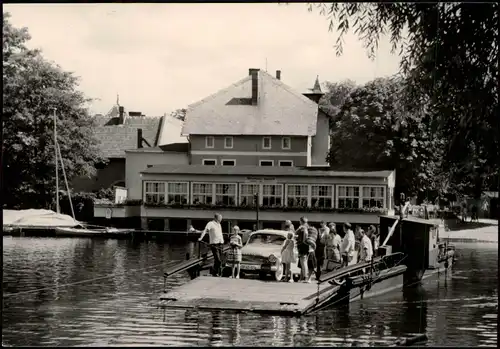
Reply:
x=373, y=210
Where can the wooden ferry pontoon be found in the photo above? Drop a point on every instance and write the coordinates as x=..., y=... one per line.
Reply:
x=412, y=251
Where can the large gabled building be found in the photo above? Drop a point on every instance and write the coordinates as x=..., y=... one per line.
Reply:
x=258, y=121
x=257, y=136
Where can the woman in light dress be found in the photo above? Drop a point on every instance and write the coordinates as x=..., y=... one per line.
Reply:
x=234, y=254
x=289, y=255
x=332, y=245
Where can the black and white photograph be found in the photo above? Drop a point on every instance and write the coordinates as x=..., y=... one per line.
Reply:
x=299, y=174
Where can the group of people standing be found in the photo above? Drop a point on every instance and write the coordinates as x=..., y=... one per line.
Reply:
x=316, y=248
x=313, y=249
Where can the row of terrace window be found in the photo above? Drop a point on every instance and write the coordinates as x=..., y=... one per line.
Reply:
x=295, y=195
x=232, y=162
x=286, y=142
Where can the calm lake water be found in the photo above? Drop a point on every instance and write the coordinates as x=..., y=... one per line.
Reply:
x=120, y=305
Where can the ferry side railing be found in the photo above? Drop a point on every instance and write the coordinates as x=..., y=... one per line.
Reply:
x=190, y=263
x=343, y=273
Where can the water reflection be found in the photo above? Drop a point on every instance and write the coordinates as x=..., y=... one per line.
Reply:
x=120, y=308
x=217, y=326
x=415, y=314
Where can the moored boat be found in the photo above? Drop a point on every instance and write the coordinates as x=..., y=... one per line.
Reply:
x=38, y=222
x=92, y=232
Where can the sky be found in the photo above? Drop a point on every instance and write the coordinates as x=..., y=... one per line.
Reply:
x=160, y=57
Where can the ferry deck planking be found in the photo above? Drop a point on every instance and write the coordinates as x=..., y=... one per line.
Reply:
x=215, y=293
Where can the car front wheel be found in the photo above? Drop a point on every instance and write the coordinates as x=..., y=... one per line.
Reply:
x=278, y=274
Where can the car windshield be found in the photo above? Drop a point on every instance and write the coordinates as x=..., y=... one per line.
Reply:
x=262, y=238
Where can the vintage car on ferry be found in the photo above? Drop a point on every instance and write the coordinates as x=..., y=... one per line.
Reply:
x=261, y=254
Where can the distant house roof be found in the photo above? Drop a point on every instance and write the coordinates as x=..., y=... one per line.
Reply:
x=261, y=171
x=115, y=139
x=170, y=132
x=280, y=111
x=172, y=147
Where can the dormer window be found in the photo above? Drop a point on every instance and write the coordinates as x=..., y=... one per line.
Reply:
x=266, y=143
x=228, y=142
x=285, y=143
x=209, y=142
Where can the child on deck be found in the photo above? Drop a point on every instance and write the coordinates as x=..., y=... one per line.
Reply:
x=234, y=254
x=288, y=255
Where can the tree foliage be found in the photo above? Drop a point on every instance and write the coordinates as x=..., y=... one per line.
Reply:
x=179, y=114
x=32, y=88
x=371, y=132
x=335, y=95
x=449, y=58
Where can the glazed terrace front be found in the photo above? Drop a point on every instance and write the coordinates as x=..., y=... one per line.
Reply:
x=195, y=192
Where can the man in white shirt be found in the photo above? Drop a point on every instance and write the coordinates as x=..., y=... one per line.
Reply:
x=365, y=248
x=347, y=246
x=216, y=240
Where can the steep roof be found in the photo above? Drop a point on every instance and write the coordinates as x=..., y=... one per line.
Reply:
x=280, y=111
x=261, y=171
x=115, y=139
x=170, y=131
x=317, y=87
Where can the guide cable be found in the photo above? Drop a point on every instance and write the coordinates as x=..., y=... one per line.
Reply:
x=86, y=281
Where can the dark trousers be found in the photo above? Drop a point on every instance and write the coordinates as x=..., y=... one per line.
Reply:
x=312, y=263
x=217, y=253
x=320, y=261
x=346, y=259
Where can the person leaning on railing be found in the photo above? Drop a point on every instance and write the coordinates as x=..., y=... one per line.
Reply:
x=216, y=240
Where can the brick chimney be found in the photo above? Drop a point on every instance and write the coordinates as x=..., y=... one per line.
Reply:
x=139, y=138
x=121, y=116
x=254, y=73
x=278, y=74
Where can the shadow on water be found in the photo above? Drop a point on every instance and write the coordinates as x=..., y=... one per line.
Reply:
x=413, y=318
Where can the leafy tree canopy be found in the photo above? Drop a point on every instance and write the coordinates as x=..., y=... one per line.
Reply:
x=179, y=114
x=449, y=59
x=32, y=88
x=370, y=132
x=335, y=95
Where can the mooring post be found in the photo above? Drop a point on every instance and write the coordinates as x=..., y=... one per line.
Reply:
x=371, y=267
x=199, y=256
x=317, y=293
x=256, y=198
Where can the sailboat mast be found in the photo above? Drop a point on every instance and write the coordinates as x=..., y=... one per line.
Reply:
x=57, y=163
